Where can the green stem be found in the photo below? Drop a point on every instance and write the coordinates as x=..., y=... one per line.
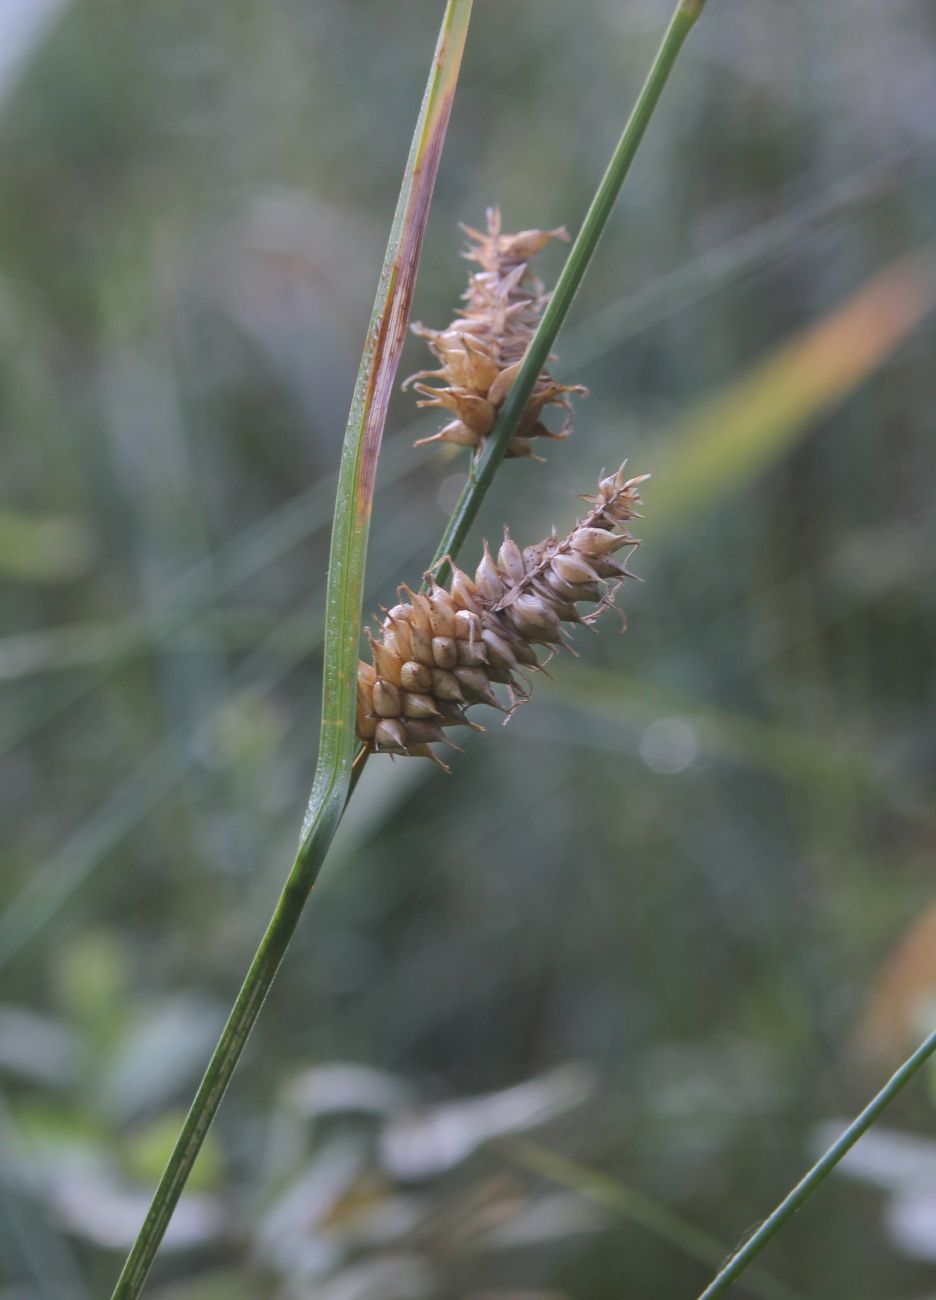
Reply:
x=647, y=1213
x=334, y=771
x=211, y=1089
x=485, y=466
x=820, y=1171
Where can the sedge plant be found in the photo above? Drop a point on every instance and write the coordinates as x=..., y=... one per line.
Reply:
x=336, y=768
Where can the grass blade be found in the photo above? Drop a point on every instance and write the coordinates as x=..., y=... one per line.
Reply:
x=819, y=1172
x=365, y=428
x=343, y=616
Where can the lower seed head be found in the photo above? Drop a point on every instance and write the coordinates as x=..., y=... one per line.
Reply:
x=441, y=652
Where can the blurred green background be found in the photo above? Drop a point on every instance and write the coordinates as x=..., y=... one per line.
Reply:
x=567, y=1023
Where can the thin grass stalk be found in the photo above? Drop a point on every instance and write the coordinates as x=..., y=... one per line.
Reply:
x=653, y=1216
x=484, y=467
x=742, y=1259
x=343, y=617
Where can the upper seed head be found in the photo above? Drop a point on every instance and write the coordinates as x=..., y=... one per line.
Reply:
x=482, y=350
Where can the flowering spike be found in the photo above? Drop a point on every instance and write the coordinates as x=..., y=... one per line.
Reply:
x=442, y=652
x=482, y=350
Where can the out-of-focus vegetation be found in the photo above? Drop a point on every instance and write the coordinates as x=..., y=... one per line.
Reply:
x=569, y=1022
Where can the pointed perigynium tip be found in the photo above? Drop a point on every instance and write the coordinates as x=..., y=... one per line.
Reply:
x=481, y=351
x=441, y=651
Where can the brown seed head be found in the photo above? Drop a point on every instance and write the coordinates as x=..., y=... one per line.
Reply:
x=481, y=351
x=441, y=651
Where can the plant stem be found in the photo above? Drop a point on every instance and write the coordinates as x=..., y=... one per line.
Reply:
x=333, y=773
x=651, y=1215
x=820, y=1171
x=485, y=466
x=211, y=1089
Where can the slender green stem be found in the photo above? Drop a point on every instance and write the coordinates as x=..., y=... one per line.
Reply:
x=485, y=466
x=211, y=1089
x=651, y=1215
x=820, y=1171
x=333, y=773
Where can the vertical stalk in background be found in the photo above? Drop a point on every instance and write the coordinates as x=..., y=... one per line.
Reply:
x=485, y=466
x=353, y=503
x=820, y=1171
